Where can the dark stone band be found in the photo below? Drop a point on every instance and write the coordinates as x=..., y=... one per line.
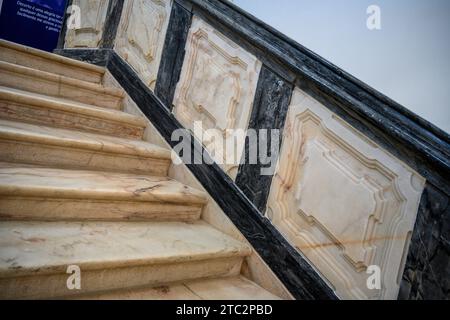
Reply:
x=113, y=15
x=173, y=54
x=270, y=107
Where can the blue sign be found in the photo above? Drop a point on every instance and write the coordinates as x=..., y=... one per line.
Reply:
x=34, y=23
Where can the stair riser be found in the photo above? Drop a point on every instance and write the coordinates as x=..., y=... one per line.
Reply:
x=58, y=89
x=48, y=209
x=224, y=289
x=40, y=63
x=66, y=120
x=41, y=286
x=75, y=158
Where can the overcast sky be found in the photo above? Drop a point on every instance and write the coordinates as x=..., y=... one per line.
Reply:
x=408, y=59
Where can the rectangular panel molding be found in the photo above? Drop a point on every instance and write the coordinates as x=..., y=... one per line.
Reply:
x=217, y=86
x=141, y=35
x=343, y=201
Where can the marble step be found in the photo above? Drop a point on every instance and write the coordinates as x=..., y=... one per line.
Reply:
x=35, y=193
x=42, y=60
x=33, y=80
x=34, y=256
x=231, y=288
x=18, y=105
x=60, y=148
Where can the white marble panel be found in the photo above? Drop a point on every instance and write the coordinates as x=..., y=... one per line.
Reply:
x=343, y=201
x=217, y=86
x=141, y=35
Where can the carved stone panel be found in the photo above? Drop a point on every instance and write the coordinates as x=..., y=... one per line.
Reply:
x=92, y=15
x=217, y=86
x=141, y=35
x=344, y=202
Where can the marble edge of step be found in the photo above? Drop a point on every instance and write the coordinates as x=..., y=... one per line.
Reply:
x=152, y=194
x=232, y=249
x=22, y=97
x=27, y=71
x=51, y=56
x=84, y=140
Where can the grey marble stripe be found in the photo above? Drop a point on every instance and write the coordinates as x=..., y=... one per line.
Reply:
x=270, y=107
x=173, y=54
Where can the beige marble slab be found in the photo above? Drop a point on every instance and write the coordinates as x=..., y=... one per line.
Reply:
x=141, y=34
x=32, y=144
x=18, y=180
x=45, y=61
x=233, y=288
x=110, y=255
x=217, y=88
x=343, y=201
x=18, y=105
x=33, y=80
x=14, y=208
x=69, y=138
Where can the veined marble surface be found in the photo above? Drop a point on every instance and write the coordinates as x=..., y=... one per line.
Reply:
x=68, y=138
x=45, y=61
x=44, y=82
x=254, y=268
x=12, y=95
x=123, y=230
x=230, y=288
x=141, y=35
x=343, y=201
x=111, y=256
x=217, y=87
x=50, y=247
x=20, y=180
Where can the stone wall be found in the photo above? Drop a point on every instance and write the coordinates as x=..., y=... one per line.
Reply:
x=342, y=200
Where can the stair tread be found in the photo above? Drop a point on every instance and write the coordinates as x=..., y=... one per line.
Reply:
x=69, y=105
x=26, y=180
x=49, y=247
x=20, y=131
x=232, y=288
x=23, y=70
x=51, y=56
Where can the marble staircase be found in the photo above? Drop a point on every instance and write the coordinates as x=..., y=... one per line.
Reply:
x=79, y=186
